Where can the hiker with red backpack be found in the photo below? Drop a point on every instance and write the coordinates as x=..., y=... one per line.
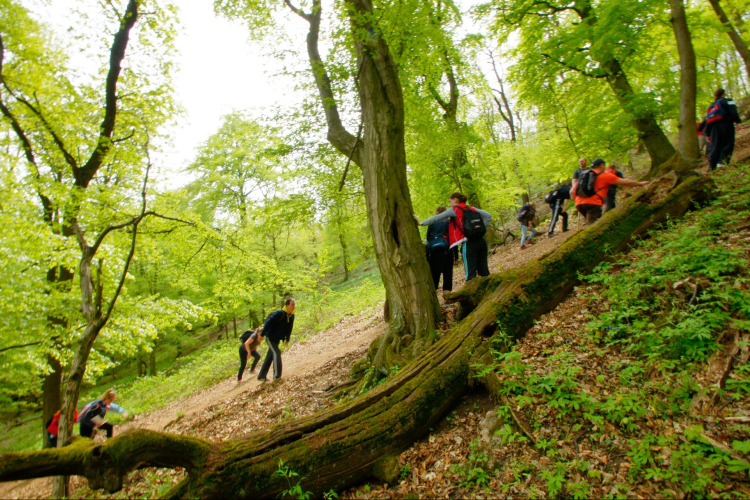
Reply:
x=250, y=341
x=467, y=228
x=591, y=186
x=92, y=415
x=53, y=427
x=439, y=254
x=720, y=119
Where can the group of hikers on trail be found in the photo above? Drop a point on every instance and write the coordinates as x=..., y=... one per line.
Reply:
x=460, y=225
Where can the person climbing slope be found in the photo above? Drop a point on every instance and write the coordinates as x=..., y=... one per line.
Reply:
x=526, y=218
x=468, y=226
x=277, y=328
x=591, y=187
x=557, y=200
x=250, y=341
x=53, y=427
x=92, y=415
x=720, y=119
x=610, y=202
x=439, y=255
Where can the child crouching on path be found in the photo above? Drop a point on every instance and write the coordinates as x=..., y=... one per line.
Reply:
x=251, y=340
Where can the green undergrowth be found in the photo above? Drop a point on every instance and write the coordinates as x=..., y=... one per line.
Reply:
x=615, y=401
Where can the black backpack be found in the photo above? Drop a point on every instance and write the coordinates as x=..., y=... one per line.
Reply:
x=438, y=235
x=586, y=181
x=246, y=335
x=550, y=197
x=526, y=214
x=474, y=227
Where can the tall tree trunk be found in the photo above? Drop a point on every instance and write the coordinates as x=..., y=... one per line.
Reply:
x=50, y=395
x=649, y=132
x=411, y=293
x=352, y=442
x=152, y=362
x=739, y=43
x=688, y=83
x=414, y=309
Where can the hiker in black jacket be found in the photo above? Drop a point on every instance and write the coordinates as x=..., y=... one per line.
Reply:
x=720, y=120
x=277, y=328
x=92, y=415
x=439, y=256
x=558, y=203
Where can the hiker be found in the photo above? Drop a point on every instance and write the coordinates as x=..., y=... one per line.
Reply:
x=558, y=203
x=609, y=201
x=467, y=228
x=92, y=415
x=277, y=328
x=590, y=189
x=720, y=119
x=53, y=427
x=582, y=162
x=526, y=218
x=250, y=341
x=439, y=255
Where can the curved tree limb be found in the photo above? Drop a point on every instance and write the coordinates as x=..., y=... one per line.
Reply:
x=84, y=174
x=338, y=136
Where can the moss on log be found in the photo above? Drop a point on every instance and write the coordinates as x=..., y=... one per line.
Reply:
x=351, y=442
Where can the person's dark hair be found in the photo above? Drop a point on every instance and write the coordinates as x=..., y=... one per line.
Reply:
x=598, y=162
x=719, y=93
x=458, y=196
x=440, y=209
x=288, y=301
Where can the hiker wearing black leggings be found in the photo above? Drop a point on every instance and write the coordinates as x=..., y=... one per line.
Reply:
x=92, y=415
x=277, y=328
x=250, y=342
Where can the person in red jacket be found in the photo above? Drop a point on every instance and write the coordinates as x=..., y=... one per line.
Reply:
x=53, y=428
x=474, y=251
x=590, y=207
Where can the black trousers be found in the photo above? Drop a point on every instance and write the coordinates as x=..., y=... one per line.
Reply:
x=87, y=430
x=475, y=258
x=722, y=144
x=556, y=208
x=441, y=264
x=243, y=360
x=592, y=213
x=272, y=356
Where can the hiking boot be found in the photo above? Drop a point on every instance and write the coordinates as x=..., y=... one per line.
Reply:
x=720, y=165
x=263, y=379
x=524, y=247
x=550, y=235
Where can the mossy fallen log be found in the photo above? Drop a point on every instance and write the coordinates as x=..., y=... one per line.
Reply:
x=357, y=440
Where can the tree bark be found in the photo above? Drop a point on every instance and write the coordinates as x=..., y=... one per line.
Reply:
x=739, y=43
x=341, y=446
x=688, y=83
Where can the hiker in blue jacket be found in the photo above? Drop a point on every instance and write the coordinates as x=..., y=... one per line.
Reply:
x=440, y=257
x=277, y=328
x=92, y=415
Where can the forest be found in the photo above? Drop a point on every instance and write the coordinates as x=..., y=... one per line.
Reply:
x=607, y=359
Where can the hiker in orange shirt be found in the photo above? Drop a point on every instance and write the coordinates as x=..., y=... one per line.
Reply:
x=591, y=187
